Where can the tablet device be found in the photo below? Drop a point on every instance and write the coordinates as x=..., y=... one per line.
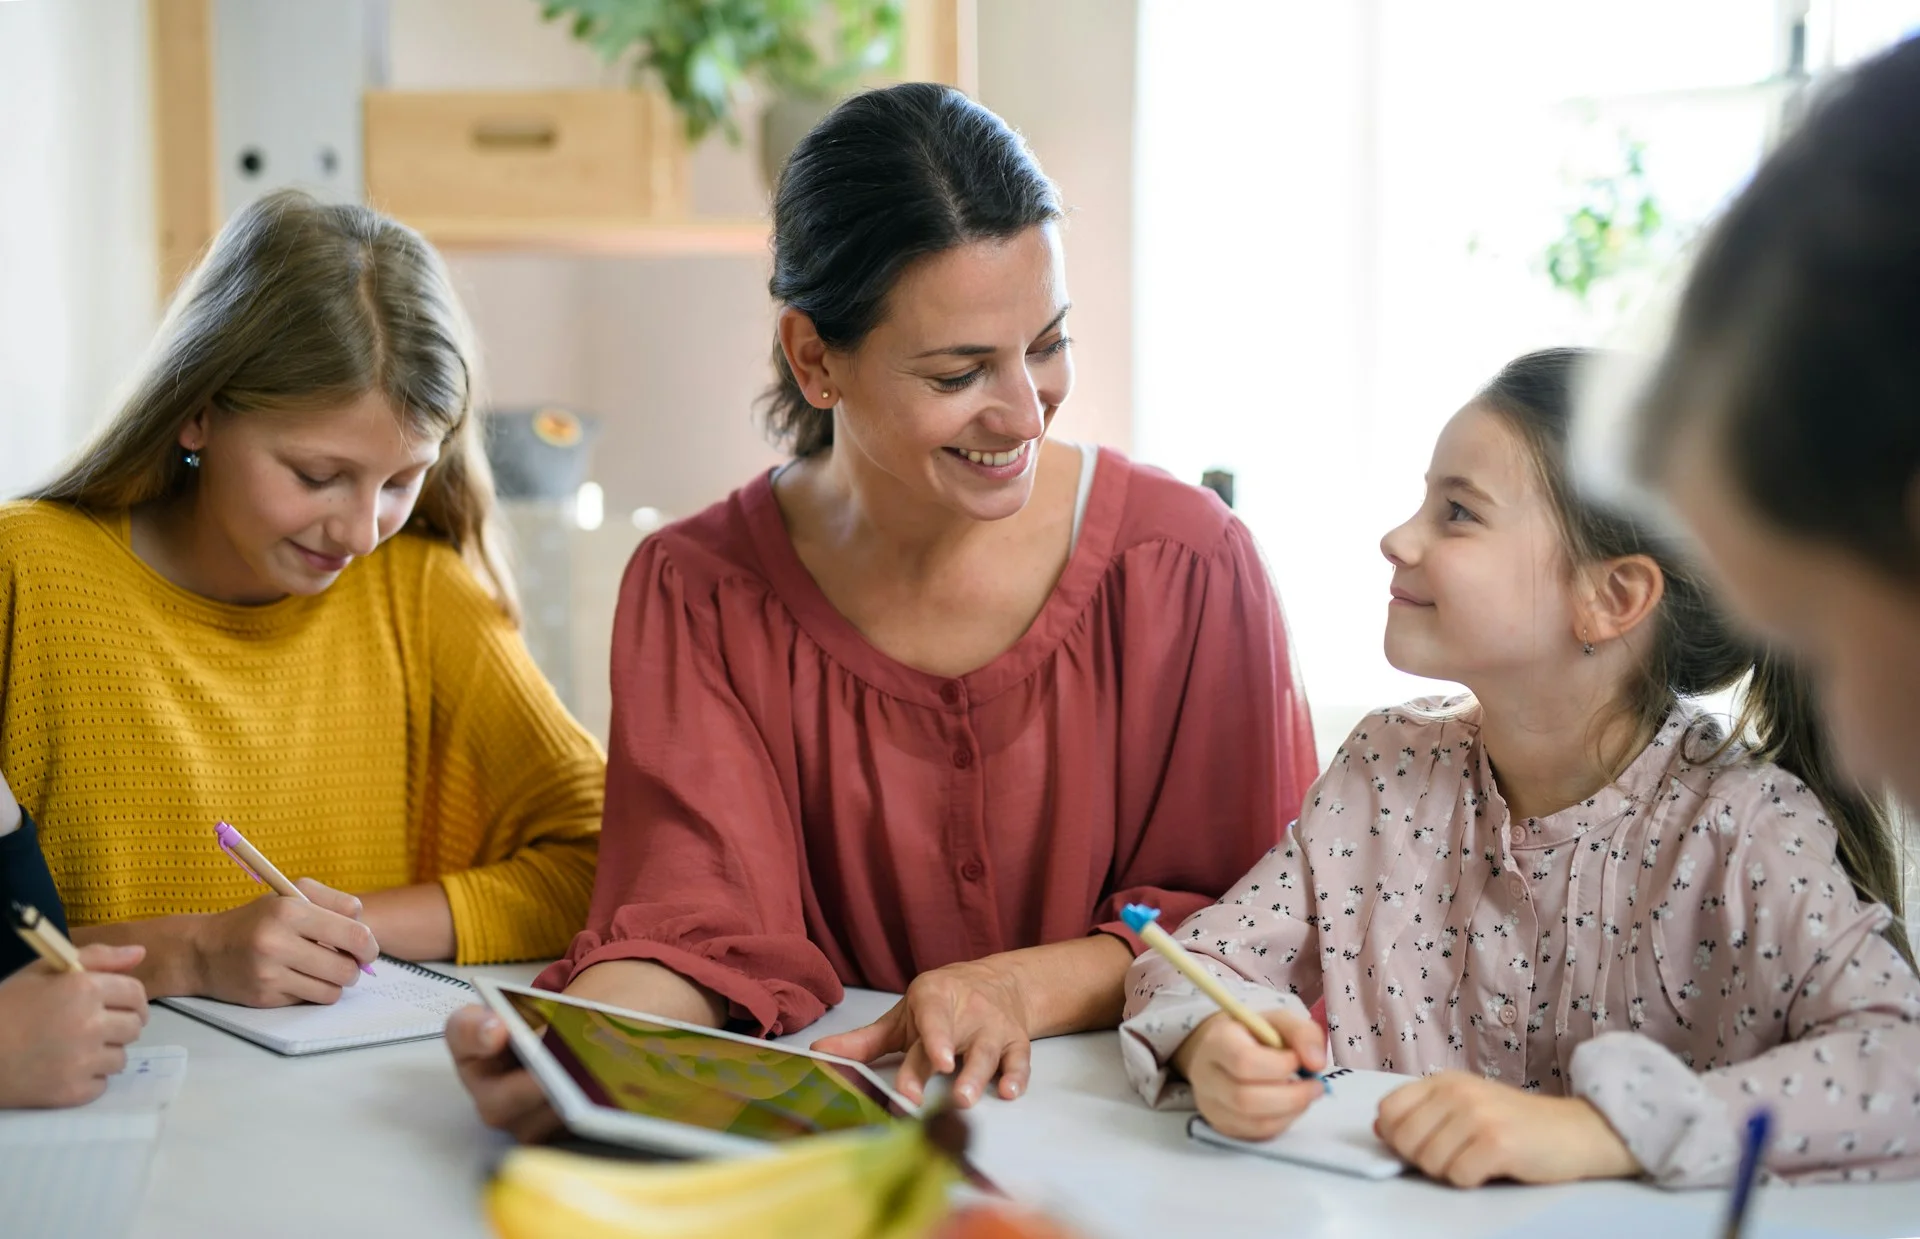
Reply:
x=648, y=1082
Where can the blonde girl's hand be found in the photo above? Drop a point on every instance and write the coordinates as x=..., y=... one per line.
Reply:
x=1468, y=1130
x=1245, y=1089
x=63, y=1033
x=277, y=951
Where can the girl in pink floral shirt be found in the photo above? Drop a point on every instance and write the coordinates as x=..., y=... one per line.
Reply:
x=1600, y=931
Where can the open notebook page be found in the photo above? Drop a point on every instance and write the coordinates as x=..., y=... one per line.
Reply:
x=400, y=1002
x=1336, y=1132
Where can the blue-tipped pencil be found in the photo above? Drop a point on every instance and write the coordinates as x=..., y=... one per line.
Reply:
x=1143, y=920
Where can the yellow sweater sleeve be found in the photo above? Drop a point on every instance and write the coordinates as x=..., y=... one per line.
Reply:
x=511, y=806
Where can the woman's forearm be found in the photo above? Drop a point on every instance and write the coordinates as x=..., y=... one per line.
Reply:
x=411, y=922
x=1069, y=987
x=643, y=985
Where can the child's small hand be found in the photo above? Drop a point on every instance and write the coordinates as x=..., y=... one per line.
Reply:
x=1243, y=1088
x=63, y=1033
x=1466, y=1130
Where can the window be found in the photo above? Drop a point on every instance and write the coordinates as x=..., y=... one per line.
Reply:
x=1348, y=217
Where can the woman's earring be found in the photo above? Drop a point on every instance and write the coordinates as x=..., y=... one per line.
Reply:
x=191, y=460
x=827, y=396
x=1586, y=647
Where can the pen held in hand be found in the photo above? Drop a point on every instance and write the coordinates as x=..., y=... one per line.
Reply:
x=45, y=938
x=260, y=869
x=1143, y=920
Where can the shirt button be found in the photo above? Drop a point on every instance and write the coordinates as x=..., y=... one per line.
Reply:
x=973, y=871
x=1519, y=834
x=1518, y=887
x=1509, y=1015
x=949, y=693
x=962, y=758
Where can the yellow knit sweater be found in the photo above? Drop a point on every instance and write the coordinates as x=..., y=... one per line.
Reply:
x=390, y=730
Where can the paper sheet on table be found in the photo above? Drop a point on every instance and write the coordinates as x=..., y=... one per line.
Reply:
x=81, y=1173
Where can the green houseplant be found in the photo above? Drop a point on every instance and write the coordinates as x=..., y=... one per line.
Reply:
x=707, y=54
x=1615, y=225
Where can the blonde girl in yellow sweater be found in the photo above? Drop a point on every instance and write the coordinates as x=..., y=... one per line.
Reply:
x=268, y=593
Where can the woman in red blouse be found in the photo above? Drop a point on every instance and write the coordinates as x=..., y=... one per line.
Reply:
x=921, y=710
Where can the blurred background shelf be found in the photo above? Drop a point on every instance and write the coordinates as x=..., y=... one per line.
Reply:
x=601, y=237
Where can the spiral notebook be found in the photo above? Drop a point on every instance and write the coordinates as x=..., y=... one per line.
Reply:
x=1336, y=1132
x=401, y=1001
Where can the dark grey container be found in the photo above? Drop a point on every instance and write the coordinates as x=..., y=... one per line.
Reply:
x=540, y=453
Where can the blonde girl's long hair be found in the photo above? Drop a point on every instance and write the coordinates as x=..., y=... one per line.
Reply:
x=301, y=305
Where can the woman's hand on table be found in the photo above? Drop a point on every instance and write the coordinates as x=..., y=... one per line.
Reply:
x=969, y=1017
x=1248, y=1090
x=504, y=1091
x=1467, y=1130
x=981, y=1018
x=63, y=1033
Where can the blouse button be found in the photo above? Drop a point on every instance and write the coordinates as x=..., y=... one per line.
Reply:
x=1509, y=1015
x=962, y=758
x=973, y=871
x=1518, y=887
x=949, y=693
x=1519, y=834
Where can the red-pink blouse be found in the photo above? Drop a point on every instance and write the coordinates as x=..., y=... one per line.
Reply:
x=789, y=810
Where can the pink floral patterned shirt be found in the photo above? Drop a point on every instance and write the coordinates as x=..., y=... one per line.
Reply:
x=1677, y=949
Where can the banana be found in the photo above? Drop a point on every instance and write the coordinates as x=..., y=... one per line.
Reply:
x=887, y=1185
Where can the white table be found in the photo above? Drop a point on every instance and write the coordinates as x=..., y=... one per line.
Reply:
x=371, y=1143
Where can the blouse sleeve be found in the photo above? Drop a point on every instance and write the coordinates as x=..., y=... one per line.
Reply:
x=701, y=858
x=1218, y=748
x=1843, y=1083
x=1261, y=938
x=511, y=802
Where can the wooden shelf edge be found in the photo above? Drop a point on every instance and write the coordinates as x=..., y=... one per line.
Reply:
x=611, y=237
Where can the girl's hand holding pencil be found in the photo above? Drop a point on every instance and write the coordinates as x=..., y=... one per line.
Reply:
x=1245, y=1088
x=1253, y=1073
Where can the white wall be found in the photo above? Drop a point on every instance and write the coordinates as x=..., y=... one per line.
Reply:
x=77, y=247
x=1062, y=72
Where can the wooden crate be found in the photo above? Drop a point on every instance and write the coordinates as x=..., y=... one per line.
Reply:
x=439, y=157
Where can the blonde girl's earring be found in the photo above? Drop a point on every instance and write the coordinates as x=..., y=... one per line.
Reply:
x=1586, y=647
x=191, y=460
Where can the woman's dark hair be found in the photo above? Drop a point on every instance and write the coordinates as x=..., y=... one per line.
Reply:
x=888, y=177
x=1694, y=650
x=1797, y=345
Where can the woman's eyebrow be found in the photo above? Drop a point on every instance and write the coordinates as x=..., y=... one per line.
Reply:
x=984, y=350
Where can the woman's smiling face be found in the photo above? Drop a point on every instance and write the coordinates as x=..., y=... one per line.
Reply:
x=952, y=393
